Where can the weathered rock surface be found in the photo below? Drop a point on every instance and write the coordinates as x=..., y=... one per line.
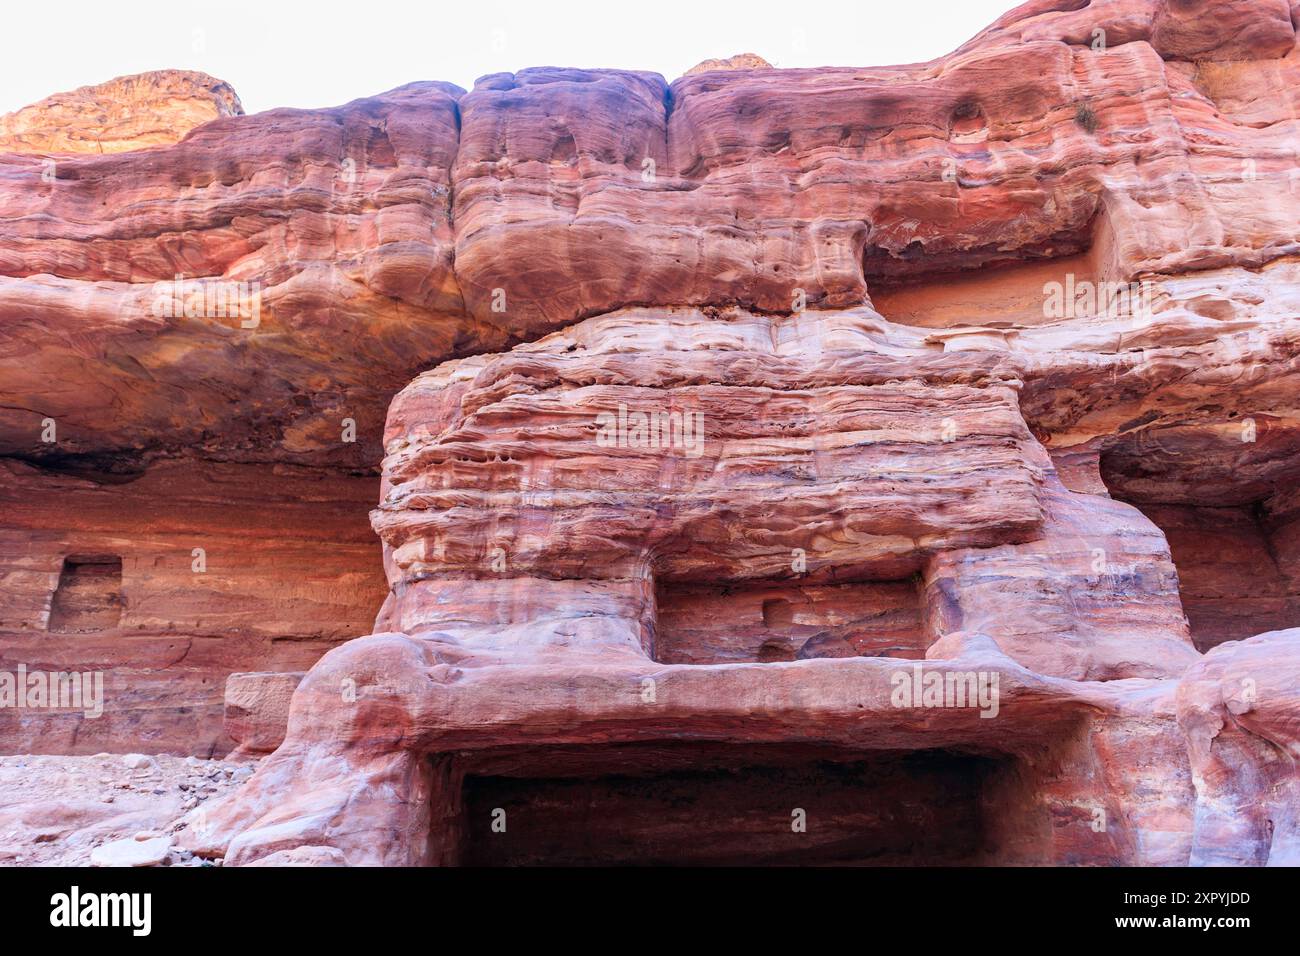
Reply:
x=165, y=582
x=128, y=113
x=722, y=415
x=741, y=61
x=257, y=710
x=314, y=250
x=150, y=851
x=397, y=231
x=1240, y=713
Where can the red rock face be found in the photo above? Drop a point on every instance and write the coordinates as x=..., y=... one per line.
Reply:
x=763, y=453
x=167, y=582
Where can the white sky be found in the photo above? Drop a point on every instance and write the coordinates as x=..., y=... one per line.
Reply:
x=284, y=53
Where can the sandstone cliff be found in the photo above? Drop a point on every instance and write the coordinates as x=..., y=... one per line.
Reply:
x=689, y=416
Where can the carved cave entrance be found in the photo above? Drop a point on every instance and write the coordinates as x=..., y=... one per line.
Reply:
x=687, y=805
x=680, y=803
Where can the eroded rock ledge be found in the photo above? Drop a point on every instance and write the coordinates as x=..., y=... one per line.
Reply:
x=425, y=223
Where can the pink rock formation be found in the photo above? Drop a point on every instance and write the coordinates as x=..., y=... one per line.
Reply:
x=257, y=710
x=313, y=251
x=753, y=443
x=1239, y=713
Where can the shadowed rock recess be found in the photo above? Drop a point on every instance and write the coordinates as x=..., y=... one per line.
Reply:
x=882, y=465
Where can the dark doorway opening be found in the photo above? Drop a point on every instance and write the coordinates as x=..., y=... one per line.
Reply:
x=917, y=808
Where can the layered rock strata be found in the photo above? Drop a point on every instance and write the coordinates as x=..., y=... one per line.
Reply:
x=753, y=443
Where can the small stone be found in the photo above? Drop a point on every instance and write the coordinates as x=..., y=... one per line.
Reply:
x=139, y=762
x=131, y=852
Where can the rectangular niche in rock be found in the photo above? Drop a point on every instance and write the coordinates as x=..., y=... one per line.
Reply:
x=89, y=595
x=782, y=621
